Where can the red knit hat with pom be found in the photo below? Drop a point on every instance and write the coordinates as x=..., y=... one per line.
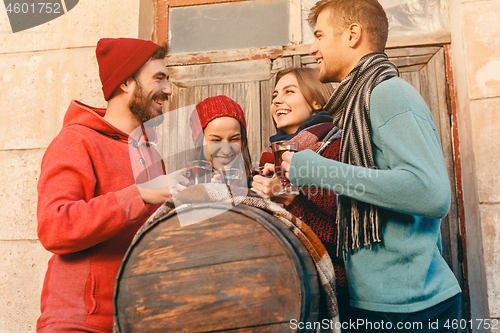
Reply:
x=119, y=58
x=211, y=108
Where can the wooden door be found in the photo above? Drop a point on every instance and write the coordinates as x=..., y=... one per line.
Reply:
x=249, y=83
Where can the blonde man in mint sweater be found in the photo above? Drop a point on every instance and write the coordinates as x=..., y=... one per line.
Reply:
x=391, y=178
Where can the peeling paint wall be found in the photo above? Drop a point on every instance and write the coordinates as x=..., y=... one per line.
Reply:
x=41, y=70
x=482, y=38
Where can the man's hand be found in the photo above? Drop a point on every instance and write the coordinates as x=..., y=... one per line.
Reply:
x=162, y=188
x=266, y=186
x=287, y=159
x=178, y=178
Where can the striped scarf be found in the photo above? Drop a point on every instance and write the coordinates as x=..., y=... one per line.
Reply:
x=358, y=222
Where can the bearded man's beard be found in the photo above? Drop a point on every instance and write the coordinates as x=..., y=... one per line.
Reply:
x=142, y=109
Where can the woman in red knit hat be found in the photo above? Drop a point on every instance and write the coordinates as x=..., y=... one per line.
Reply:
x=219, y=133
x=296, y=108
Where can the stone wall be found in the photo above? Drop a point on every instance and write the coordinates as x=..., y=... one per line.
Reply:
x=41, y=70
x=480, y=24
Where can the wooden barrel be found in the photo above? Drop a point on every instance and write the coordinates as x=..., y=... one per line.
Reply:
x=242, y=271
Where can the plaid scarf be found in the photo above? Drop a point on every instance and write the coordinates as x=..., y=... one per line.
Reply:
x=358, y=222
x=320, y=117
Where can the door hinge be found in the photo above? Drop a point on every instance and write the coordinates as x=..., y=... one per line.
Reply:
x=460, y=248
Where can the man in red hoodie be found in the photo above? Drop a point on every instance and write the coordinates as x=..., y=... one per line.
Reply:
x=89, y=206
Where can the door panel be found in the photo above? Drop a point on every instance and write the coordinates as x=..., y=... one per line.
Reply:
x=246, y=82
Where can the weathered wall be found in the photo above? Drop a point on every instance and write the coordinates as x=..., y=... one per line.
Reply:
x=41, y=70
x=475, y=50
x=482, y=47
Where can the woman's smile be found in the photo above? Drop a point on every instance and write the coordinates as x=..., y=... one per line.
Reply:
x=282, y=112
x=225, y=159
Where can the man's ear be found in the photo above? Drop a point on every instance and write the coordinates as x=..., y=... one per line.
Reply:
x=355, y=33
x=128, y=86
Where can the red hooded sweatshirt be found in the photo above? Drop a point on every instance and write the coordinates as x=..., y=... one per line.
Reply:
x=89, y=209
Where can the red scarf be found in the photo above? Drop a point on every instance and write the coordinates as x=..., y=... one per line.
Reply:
x=313, y=138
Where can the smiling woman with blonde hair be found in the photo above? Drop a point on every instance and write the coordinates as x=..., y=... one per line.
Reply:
x=297, y=110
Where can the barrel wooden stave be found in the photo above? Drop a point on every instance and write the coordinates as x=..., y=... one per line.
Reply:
x=224, y=241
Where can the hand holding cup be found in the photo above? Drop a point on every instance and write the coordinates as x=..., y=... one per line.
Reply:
x=280, y=148
x=287, y=160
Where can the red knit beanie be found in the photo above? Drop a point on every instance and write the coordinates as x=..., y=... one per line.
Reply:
x=211, y=108
x=119, y=58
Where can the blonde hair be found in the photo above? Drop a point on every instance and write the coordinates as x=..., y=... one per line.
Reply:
x=369, y=14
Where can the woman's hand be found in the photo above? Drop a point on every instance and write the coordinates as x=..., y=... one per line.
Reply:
x=217, y=178
x=286, y=161
x=266, y=186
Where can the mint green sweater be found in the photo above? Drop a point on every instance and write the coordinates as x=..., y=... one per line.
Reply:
x=406, y=273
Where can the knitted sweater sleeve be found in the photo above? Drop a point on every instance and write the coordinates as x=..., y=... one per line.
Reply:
x=314, y=202
x=411, y=177
x=70, y=217
x=317, y=208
